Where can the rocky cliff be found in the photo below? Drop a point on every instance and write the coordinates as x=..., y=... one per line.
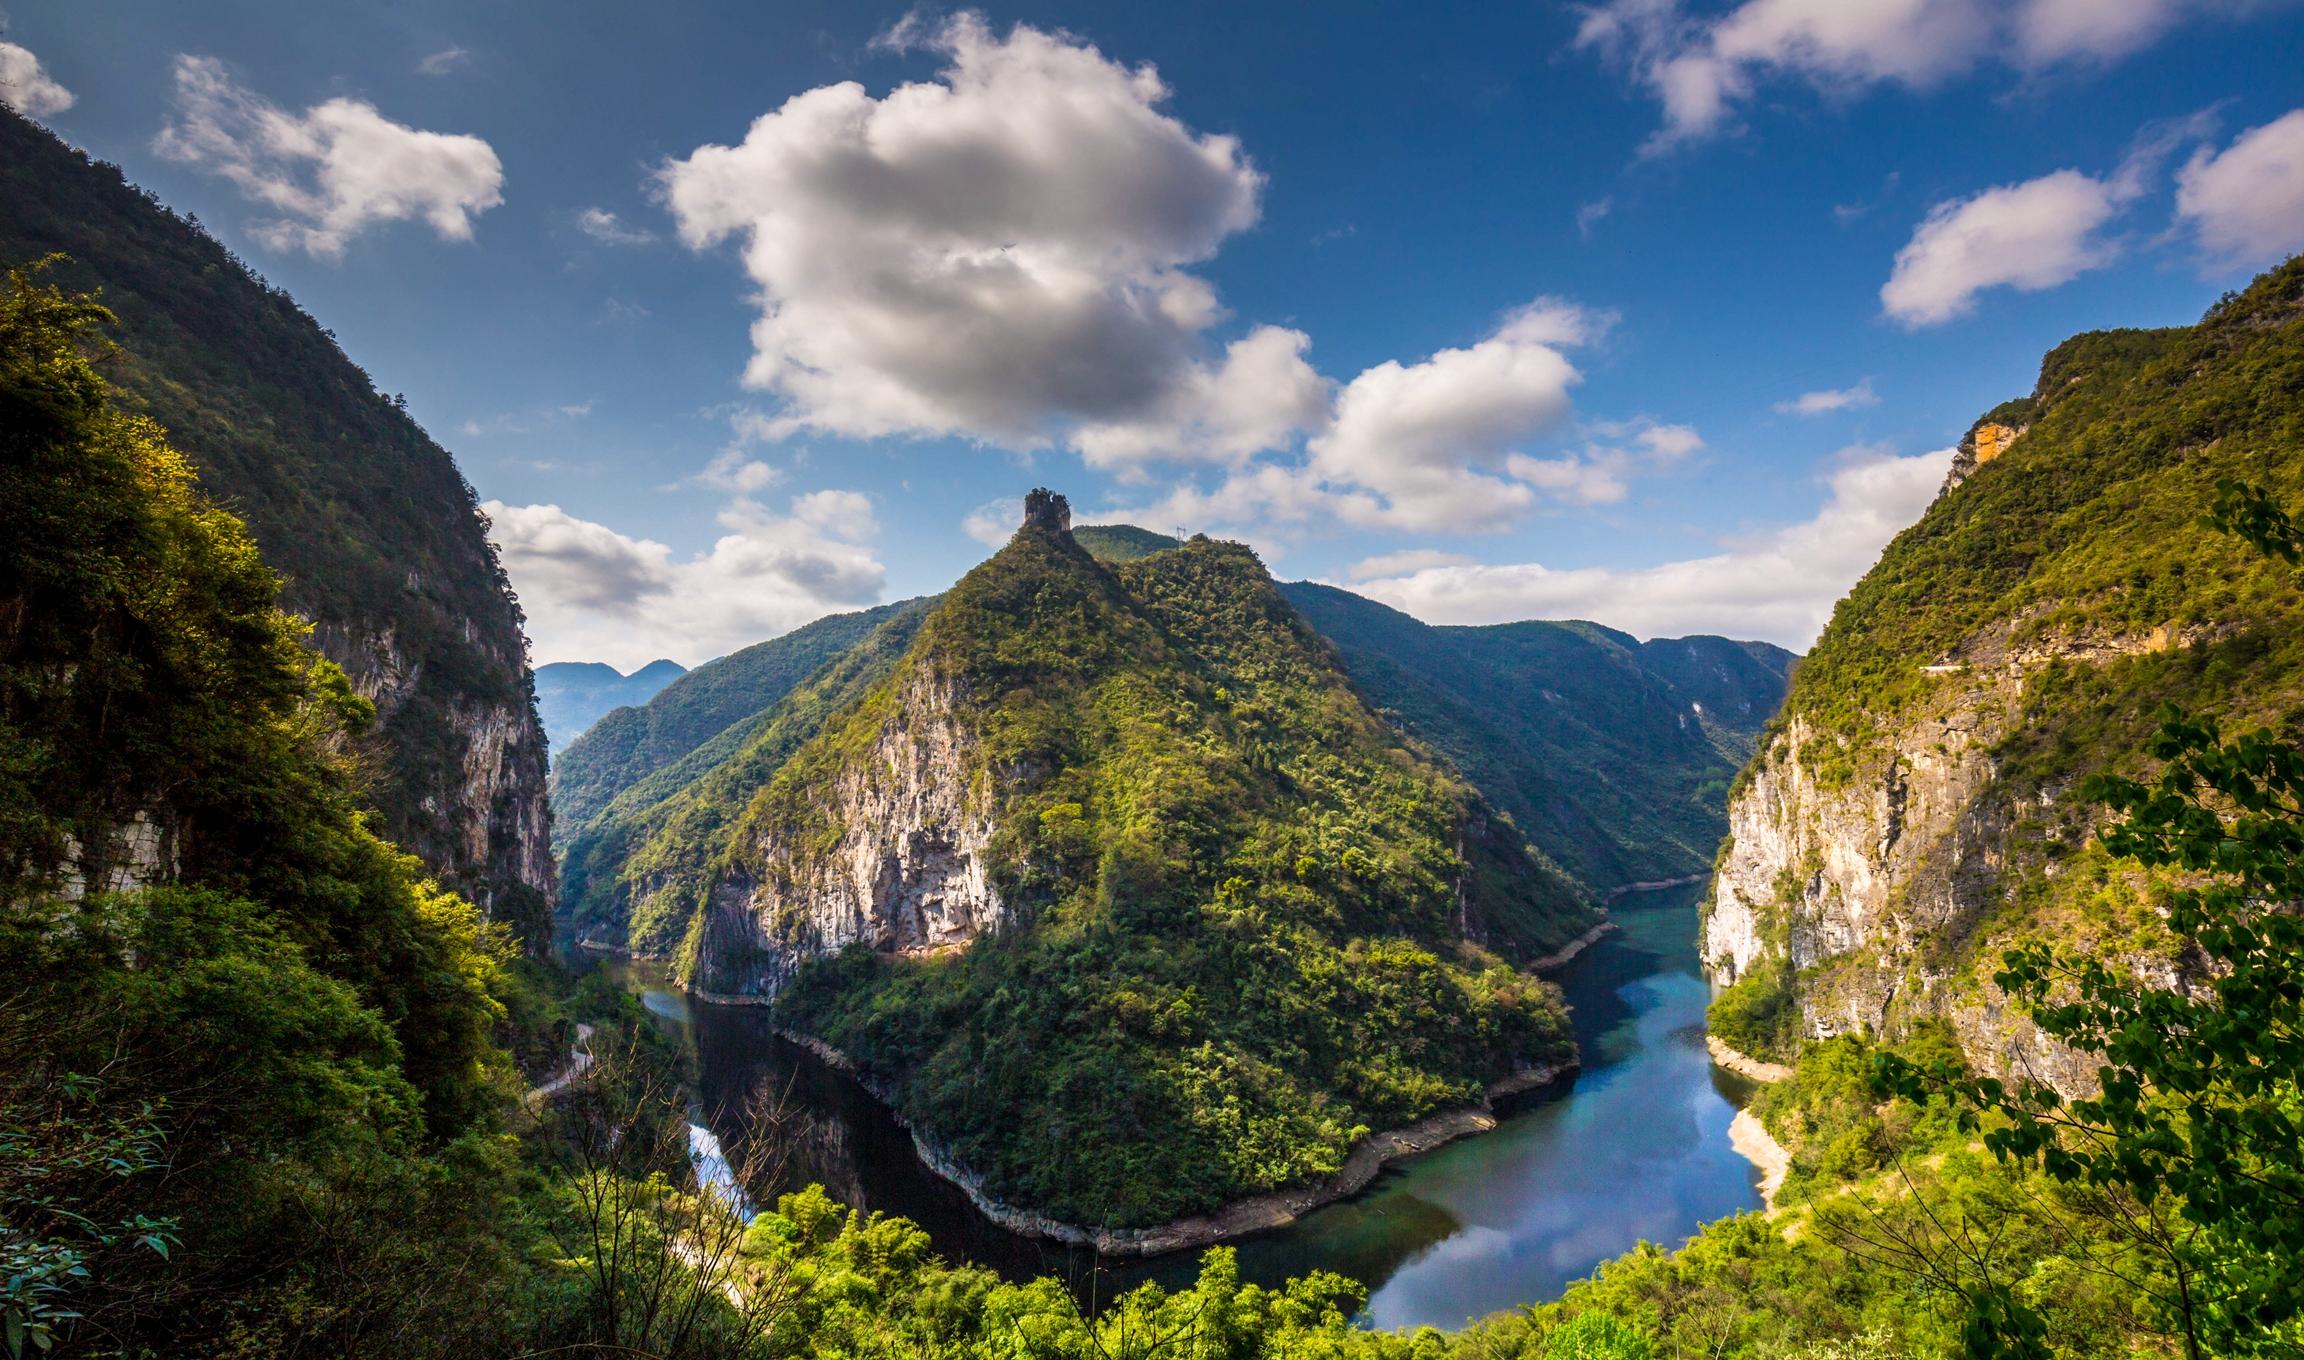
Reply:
x=1916, y=808
x=908, y=871
x=369, y=520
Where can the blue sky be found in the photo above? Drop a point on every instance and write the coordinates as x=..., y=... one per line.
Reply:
x=1490, y=311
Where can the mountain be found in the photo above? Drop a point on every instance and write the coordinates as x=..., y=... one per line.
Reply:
x=1106, y=877
x=1914, y=811
x=630, y=744
x=1613, y=755
x=377, y=532
x=573, y=695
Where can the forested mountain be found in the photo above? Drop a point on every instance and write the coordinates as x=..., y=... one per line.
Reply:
x=1139, y=791
x=371, y=524
x=632, y=743
x=1611, y=754
x=1911, y=814
x=573, y=695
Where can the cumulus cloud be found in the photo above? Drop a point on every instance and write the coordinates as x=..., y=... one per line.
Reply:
x=332, y=171
x=594, y=594
x=1405, y=562
x=994, y=522
x=2246, y=202
x=1439, y=443
x=610, y=230
x=1831, y=399
x=999, y=253
x=1259, y=398
x=1701, y=69
x=26, y=87
x=2027, y=236
x=1779, y=586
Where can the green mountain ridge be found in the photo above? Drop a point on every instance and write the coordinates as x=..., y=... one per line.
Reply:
x=1910, y=815
x=375, y=530
x=573, y=695
x=1112, y=852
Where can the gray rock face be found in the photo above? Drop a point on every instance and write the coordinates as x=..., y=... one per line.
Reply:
x=906, y=872
x=1880, y=888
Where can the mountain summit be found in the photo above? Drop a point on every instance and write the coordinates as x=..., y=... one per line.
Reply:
x=1112, y=882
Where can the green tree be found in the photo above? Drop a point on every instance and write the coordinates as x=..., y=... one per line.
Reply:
x=2195, y=1138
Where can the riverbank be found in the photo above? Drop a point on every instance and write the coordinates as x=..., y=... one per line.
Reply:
x=1756, y=1145
x=1259, y=1213
x=1559, y=958
x=1744, y=1064
x=1656, y=884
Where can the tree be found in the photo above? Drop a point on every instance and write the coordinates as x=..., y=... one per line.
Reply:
x=2195, y=1138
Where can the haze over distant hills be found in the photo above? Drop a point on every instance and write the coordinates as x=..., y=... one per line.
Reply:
x=573, y=695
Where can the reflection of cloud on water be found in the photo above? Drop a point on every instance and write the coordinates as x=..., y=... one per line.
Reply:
x=714, y=1175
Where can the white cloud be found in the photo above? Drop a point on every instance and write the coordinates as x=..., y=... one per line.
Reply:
x=999, y=253
x=1437, y=444
x=994, y=522
x=1780, y=586
x=1258, y=399
x=1831, y=399
x=1404, y=562
x=2246, y=202
x=2027, y=236
x=610, y=230
x=26, y=87
x=444, y=62
x=594, y=594
x=1589, y=215
x=1701, y=69
x=332, y=171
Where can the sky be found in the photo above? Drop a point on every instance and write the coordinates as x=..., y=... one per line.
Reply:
x=1655, y=312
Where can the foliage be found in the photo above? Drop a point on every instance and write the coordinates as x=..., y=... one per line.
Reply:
x=1612, y=755
x=2195, y=1132
x=1242, y=945
x=378, y=535
x=630, y=744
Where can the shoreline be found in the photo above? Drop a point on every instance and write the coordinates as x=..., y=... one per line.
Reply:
x=1561, y=956
x=1756, y=1145
x=1744, y=1064
x=1656, y=885
x=1257, y=1213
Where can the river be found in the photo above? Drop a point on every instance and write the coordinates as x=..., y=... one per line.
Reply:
x=1634, y=1148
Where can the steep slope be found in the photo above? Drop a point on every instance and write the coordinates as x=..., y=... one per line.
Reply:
x=1614, y=756
x=1117, y=889
x=632, y=743
x=369, y=520
x=573, y=695
x=1912, y=812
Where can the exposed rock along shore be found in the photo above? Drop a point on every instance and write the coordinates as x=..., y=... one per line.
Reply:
x=1756, y=1145
x=1744, y=1064
x=1564, y=953
x=1274, y=1209
x=1656, y=884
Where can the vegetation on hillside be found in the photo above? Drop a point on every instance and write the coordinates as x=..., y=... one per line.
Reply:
x=373, y=528
x=573, y=695
x=1240, y=944
x=1612, y=755
x=630, y=744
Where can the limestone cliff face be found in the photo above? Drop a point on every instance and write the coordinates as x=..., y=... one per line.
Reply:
x=1881, y=889
x=902, y=867
x=475, y=810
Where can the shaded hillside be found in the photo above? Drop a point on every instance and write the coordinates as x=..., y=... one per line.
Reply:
x=573, y=695
x=1141, y=795
x=1613, y=755
x=375, y=530
x=1911, y=814
x=633, y=742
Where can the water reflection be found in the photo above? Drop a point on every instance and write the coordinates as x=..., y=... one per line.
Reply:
x=1635, y=1148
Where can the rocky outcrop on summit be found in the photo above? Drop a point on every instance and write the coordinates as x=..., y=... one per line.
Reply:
x=907, y=872
x=378, y=535
x=1917, y=808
